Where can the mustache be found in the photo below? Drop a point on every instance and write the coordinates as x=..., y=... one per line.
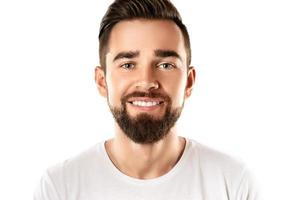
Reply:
x=150, y=94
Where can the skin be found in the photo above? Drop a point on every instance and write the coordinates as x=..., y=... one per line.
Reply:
x=146, y=71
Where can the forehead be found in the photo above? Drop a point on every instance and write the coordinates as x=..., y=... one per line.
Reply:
x=146, y=36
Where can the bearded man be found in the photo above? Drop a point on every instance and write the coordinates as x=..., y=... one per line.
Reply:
x=145, y=74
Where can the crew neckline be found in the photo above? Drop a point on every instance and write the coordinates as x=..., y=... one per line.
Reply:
x=117, y=173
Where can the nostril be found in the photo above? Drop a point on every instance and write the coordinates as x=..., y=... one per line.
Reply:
x=148, y=85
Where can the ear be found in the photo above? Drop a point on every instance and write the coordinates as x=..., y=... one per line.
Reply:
x=190, y=81
x=100, y=80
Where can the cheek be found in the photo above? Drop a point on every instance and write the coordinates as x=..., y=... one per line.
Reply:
x=180, y=94
x=175, y=87
x=116, y=86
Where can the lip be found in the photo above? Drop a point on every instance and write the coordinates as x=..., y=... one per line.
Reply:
x=145, y=108
x=146, y=99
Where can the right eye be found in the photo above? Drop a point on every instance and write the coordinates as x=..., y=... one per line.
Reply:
x=127, y=66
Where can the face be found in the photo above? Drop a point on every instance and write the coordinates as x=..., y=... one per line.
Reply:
x=147, y=79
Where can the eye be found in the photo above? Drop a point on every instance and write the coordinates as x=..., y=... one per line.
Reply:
x=166, y=66
x=127, y=66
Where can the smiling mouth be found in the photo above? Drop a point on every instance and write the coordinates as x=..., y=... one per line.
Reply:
x=145, y=103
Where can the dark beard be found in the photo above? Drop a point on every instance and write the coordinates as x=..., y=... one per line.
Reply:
x=144, y=128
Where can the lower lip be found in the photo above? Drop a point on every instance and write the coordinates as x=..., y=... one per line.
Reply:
x=145, y=108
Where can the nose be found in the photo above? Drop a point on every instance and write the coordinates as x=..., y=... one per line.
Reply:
x=147, y=85
x=147, y=80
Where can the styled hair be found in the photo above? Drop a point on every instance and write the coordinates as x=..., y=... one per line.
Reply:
x=139, y=9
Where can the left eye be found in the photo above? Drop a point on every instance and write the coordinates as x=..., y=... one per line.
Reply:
x=166, y=66
x=127, y=66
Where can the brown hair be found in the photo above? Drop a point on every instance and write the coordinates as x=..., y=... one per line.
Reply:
x=132, y=9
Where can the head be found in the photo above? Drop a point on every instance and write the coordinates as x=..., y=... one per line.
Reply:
x=144, y=71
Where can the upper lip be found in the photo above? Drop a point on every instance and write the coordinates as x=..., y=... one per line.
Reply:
x=146, y=99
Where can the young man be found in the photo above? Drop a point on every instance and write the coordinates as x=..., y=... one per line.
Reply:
x=145, y=75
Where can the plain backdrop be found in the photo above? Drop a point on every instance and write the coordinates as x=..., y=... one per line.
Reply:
x=245, y=101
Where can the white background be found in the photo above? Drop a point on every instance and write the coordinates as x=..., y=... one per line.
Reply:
x=245, y=102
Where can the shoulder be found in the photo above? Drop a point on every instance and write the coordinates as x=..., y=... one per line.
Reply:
x=210, y=156
x=75, y=165
x=214, y=163
x=60, y=178
x=220, y=168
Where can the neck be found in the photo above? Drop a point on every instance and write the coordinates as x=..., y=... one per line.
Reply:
x=145, y=161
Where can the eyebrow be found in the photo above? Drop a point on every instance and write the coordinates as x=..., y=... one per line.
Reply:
x=167, y=53
x=126, y=54
x=158, y=53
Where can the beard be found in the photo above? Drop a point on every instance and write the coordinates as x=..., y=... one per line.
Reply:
x=145, y=128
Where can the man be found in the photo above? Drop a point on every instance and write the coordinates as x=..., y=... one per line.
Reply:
x=145, y=75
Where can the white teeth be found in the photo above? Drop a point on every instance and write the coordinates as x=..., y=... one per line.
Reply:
x=145, y=103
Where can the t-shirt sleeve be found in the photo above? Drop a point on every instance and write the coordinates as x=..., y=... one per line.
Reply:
x=46, y=189
x=248, y=188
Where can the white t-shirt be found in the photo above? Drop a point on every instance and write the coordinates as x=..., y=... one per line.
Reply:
x=200, y=174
